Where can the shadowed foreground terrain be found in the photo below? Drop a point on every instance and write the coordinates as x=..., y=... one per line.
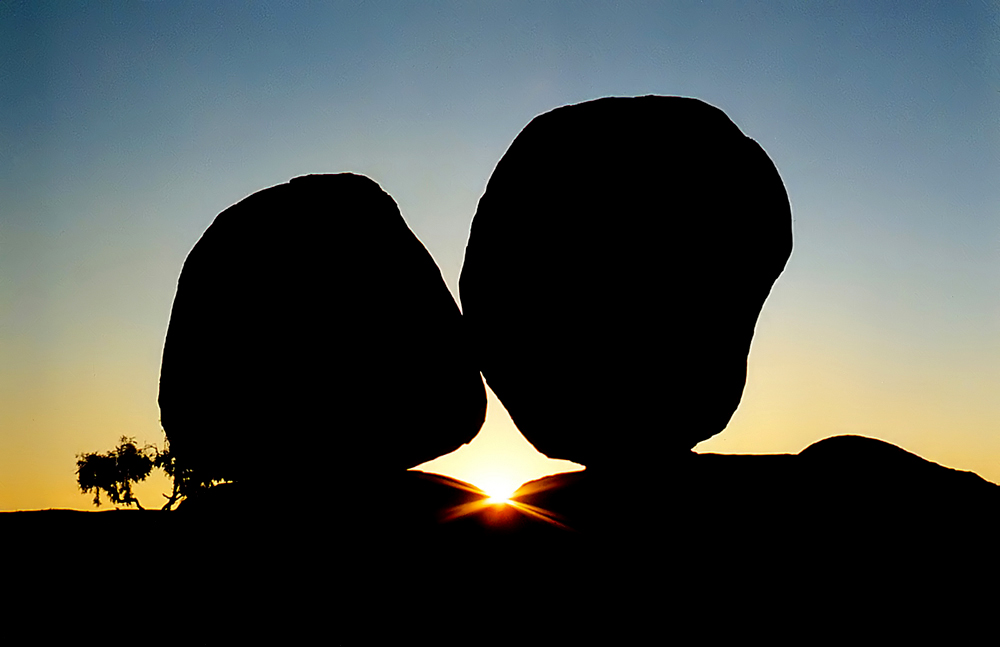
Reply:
x=850, y=534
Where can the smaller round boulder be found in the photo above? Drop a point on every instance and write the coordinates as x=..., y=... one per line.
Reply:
x=313, y=338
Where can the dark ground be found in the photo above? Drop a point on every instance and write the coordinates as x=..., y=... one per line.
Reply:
x=852, y=537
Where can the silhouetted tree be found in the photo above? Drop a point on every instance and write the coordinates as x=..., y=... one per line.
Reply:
x=115, y=471
x=165, y=461
x=185, y=481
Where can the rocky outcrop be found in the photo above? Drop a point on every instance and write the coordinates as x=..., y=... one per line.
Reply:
x=312, y=335
x=839, y=487
x=616, y=266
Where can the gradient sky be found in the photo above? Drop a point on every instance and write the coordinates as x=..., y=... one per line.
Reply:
x=127, y=127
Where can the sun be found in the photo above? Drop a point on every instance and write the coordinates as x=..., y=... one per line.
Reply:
x=498, y=489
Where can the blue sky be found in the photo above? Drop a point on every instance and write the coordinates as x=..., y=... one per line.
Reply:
x=127, y=127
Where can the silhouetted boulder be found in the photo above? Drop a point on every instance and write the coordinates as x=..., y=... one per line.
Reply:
x=616, y=266
x=313, y=337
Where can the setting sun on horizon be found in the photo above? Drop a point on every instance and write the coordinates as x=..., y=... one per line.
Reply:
x=499, y=459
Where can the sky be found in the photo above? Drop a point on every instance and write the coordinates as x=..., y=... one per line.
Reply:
x=127, y=127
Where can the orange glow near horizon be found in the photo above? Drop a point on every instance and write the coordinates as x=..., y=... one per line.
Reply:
x=497, y=496
x=521, y=507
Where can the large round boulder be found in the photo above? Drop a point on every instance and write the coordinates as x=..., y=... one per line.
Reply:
x=616, y=266
x=312, y=337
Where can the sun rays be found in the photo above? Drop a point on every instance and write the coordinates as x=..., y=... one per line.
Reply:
x=497, y=496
